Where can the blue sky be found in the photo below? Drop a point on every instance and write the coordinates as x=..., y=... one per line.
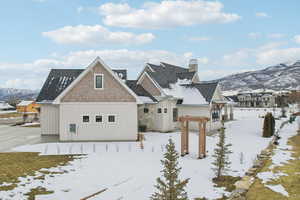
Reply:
x=226, y=36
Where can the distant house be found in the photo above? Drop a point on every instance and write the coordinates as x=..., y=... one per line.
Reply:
x=5, y=106
x=98, y=103
x=28, y=107
x=256, y=99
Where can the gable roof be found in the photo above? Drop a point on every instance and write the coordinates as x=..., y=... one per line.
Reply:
x=139, y=90
x=59, y=80
x=166, y=74
x=207, y=89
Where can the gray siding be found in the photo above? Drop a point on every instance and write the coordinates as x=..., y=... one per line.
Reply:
x=49, y=119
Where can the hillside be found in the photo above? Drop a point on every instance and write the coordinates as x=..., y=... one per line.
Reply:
x=278, y=77
x=11, y=93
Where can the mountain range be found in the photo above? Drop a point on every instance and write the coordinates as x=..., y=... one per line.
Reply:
x=12, y=93
x=278, y=77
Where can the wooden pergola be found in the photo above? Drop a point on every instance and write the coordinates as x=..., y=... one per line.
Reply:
x=185, y=134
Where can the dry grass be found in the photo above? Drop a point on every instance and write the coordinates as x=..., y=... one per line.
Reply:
x=8, y=115
x=21, y=164
x=227, y=182
x=37, y=191
x=291, y=183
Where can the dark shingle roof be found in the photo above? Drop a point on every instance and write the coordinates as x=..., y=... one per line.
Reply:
x=207, y=89
x=166, y=74
x=139, y=90
x=59, y=79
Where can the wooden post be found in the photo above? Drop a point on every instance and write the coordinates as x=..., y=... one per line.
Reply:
x=204, y=139
x=187, y=137
x=182, y=139
x=199, y=138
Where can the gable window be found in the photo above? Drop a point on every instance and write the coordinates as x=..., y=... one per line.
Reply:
x=98, y=118
x=165, y=110
x=175, y=114
x=98, y=81
x=146, y=110
x=159, y=110
x=85, y=118
x=111, y=118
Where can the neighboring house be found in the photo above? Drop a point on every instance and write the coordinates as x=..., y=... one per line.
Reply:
x=90, y=104
x=28, y=107
x=5, y=106
x=256, y=99
x=98, y=103
x=178, y=92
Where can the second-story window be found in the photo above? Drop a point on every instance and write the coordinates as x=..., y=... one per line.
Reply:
x=99, y=81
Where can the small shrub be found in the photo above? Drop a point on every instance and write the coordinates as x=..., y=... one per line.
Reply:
x=269, y=125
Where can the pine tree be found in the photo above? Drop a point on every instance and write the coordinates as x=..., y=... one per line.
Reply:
x=170, y=187
x=269, y=125
x=221, y=152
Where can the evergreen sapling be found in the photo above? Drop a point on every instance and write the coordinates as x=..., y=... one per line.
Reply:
x=170, y=187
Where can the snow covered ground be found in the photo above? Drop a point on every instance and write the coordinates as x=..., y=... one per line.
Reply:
x=129, y=173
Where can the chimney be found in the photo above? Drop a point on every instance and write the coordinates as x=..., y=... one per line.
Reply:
x=193, y=65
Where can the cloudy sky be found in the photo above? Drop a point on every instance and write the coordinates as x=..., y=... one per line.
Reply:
x=226, y=36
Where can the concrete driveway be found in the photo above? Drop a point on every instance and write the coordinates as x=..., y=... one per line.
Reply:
x=13, y=136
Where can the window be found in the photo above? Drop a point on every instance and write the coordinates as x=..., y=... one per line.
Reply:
x=111, y=118
x=165, y=110
x=159, y=110
x=85, y=118
x=72, y=128
x=215, y=115
x=98, y=81
x=175, y=114
x=98, y=118
x=146, y=110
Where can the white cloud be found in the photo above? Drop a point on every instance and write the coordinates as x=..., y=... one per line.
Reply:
x=96, y=35
x=276, y=35
x=166, y=14
x=201, y=38
x=262, y=15
x=297, y=39
x=254, y=35
x=276, y=56
x=32, y=75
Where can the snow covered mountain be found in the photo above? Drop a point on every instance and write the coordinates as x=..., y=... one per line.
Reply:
x=278, y=77
x=8, y=93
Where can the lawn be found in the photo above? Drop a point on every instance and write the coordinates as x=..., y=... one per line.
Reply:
x=19, y=165
x=285, y=176
x=122, y=170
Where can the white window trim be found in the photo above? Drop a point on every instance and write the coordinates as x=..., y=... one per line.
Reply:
x=109, y=121
x=81, y=118
x=102, y=118
x=95, y=81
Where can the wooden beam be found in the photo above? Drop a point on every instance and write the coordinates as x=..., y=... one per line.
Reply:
x=199, y=140
x=195, y=119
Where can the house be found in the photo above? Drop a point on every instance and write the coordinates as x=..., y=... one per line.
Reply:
x=5, y=106
x=90, y=104
x=27, y=107
x=256, y=99
x=178, y=92
x=98, y=103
